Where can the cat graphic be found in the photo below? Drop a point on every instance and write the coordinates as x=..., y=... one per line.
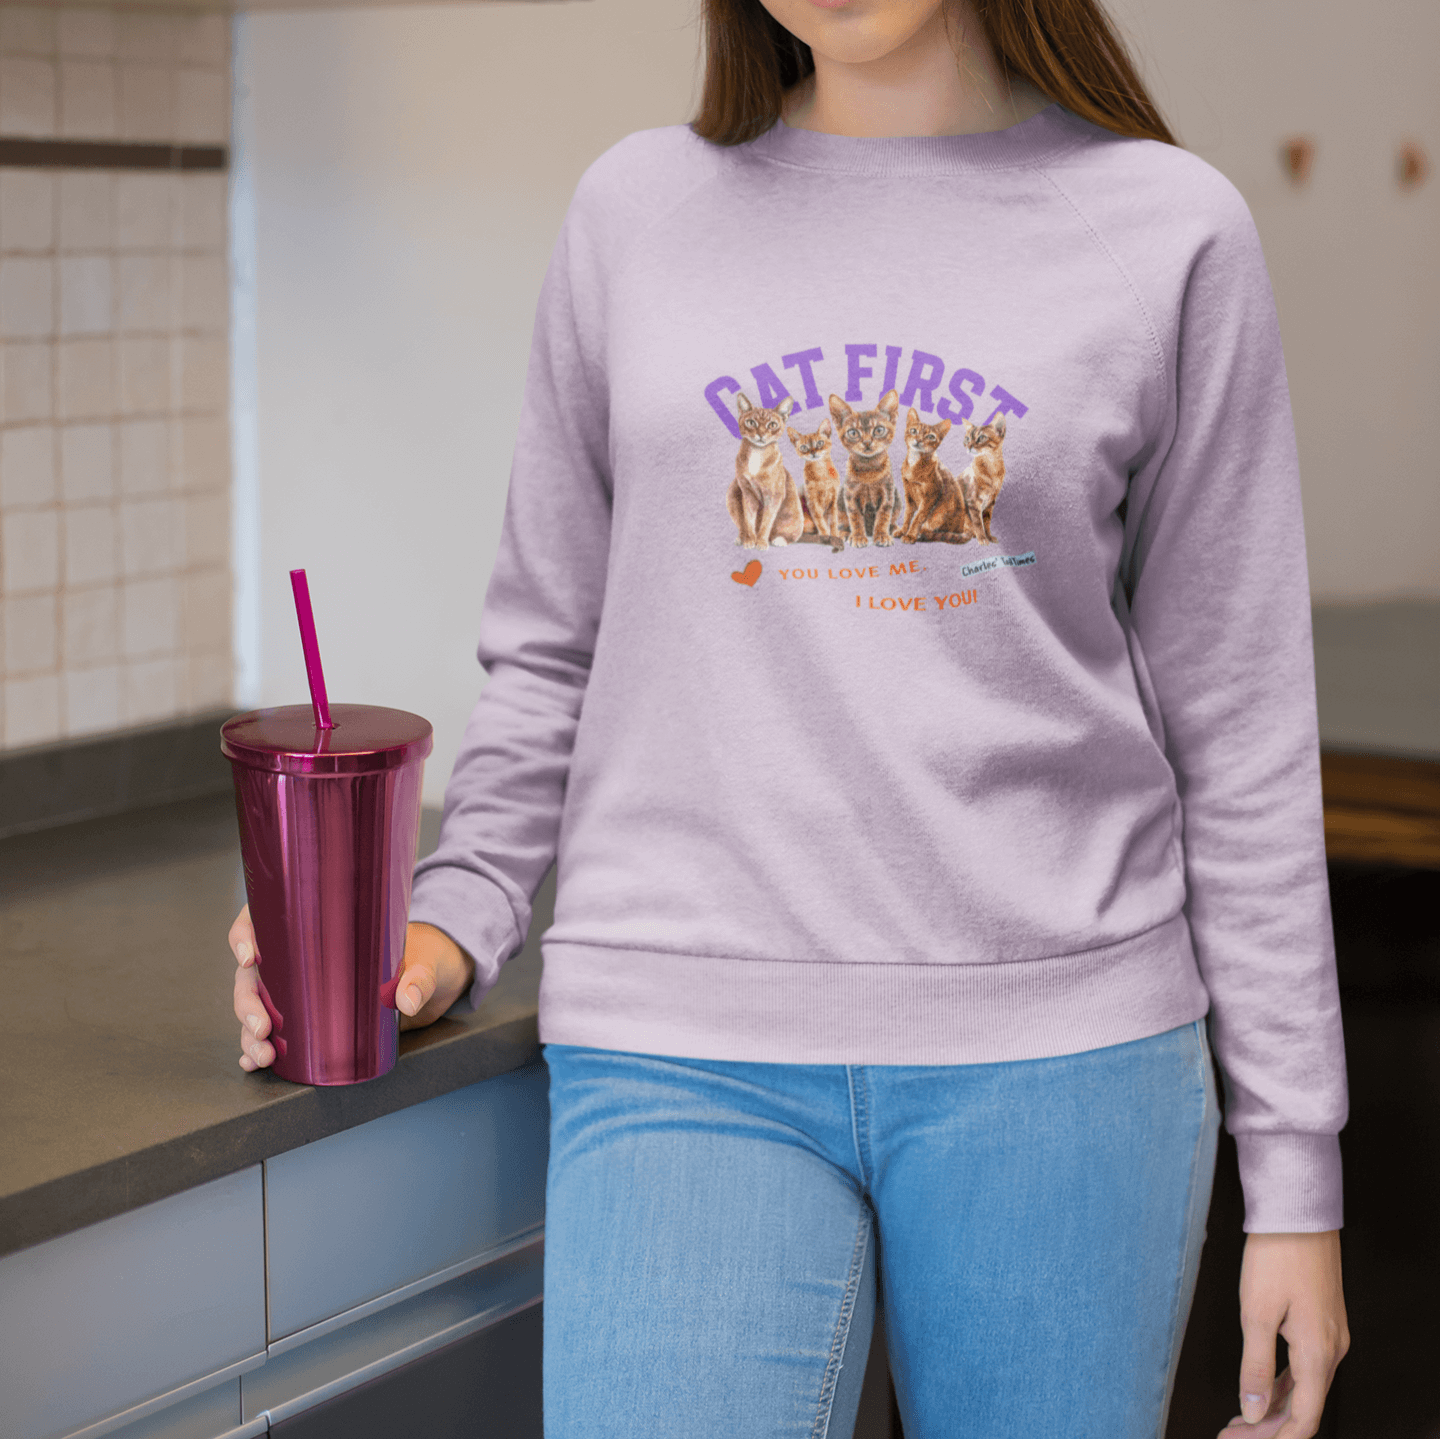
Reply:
x=934, y=502
x=981, y=481
x=825, y=521
x=762, y=498
x=869, y=492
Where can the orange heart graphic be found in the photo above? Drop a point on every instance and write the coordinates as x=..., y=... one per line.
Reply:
x=748, y=575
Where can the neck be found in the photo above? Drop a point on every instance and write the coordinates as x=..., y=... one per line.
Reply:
x=943, y=80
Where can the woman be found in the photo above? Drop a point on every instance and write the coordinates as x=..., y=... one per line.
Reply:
x=904, y=879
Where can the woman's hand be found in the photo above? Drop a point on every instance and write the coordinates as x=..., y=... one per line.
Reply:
x=1290, y=1285
x=435, y=972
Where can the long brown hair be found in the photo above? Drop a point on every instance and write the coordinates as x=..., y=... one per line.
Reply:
x=1067, y=49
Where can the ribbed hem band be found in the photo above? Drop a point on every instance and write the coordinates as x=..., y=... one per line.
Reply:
x=777, y=1011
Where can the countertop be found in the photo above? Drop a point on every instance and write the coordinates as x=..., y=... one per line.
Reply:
x=1377, y=677
x=119, y=1083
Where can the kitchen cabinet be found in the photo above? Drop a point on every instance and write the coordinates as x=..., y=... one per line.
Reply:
x=246, y=1302
x=134, y=1313
x=486, y=1386
x=460, y=1177
x=188, y=1251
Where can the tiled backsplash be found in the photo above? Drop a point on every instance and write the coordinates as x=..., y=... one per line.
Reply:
x=114, y=448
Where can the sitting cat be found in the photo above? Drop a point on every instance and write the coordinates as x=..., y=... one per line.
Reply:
x=762, y=498
x=869, y=492
x=934, y=502
x=825, y=522
x=981, y=481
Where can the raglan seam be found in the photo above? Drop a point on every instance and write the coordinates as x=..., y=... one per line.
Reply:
x=614, y=274
x=1162, y=369
x=626, y=257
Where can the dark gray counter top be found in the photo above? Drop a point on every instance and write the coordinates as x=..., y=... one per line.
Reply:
x=1377, y=677
x=118, y=1080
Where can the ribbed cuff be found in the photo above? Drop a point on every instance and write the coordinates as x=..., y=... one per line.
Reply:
x=1292, y=1182
x=475, y=914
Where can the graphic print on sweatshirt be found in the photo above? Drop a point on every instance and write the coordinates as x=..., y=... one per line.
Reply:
x=929, y=501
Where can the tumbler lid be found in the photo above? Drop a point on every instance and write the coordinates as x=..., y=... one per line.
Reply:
x=366, y=738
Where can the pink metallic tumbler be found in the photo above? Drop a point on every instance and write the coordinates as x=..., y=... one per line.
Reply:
x=328, y=826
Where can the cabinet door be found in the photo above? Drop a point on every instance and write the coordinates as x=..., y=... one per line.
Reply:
x=107, y=1318
x=486, y=1386
x=371, y=1210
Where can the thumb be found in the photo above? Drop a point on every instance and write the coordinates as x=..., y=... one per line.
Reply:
x=417, y=985
x=1257, y=1369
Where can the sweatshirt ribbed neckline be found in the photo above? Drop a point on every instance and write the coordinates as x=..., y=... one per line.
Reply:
x=1043, y=135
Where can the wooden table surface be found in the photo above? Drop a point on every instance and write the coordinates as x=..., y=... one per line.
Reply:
x=1381, y=809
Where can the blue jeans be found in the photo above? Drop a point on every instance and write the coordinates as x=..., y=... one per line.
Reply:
x=716, y=1233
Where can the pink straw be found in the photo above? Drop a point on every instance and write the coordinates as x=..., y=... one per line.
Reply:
x=311, y=646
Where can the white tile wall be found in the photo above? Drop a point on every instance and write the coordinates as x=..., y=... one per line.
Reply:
x=87, y=99
x=27, y=374
x=114, y=447
x=27, y=467
x=30, y=551
x=27, y=96
x=87, y=461
x=27, y=210
x=89, y=620
x=145, y=457
x=91, y=545
x=31, y=633
x=86, y=210
x=85, y=388
x=27, y=305
x=27, y=31
x=85, y=300
x=92, y=699
x=86, y=32
x=32, y=710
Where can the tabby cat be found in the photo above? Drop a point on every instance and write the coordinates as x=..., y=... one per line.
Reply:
x=986, y=473
x=869, y=492
x=825, y=521
x=762, y=498
x=934, y=502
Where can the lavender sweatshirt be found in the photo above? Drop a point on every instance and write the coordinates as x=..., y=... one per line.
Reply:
x=930, y=803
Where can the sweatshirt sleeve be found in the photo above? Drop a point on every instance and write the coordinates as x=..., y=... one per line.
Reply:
x=537, y=631
x=1215, y=578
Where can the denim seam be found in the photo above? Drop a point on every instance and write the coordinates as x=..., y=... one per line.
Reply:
x=1173, y=1357
x=840, y=1341
x=859, y=1121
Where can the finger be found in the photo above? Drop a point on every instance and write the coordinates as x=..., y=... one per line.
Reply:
x=242, y=938
x=1313, y=1373
x=1257, y=1366
x=1267, y=1428
x=1270, y=1426
x=249, y=1008
x=258, y=1051
x=417, y=985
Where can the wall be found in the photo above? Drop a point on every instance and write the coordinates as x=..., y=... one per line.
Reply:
x=114, y=451
x=1351, y=254
x=409, y=170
